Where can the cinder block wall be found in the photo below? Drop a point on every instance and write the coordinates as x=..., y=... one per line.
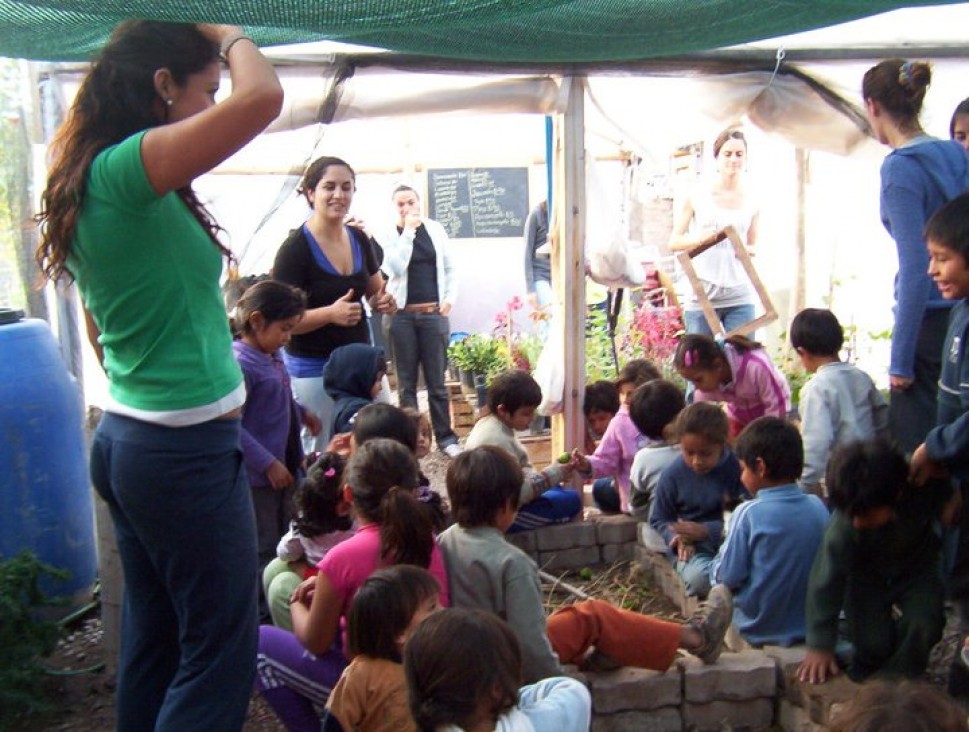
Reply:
x=753, y=689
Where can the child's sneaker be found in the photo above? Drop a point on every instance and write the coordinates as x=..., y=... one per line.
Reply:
x=711, y=620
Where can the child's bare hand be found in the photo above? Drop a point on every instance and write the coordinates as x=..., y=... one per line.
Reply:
x=304, y=591
x=691, y=530
x=817, y=667
x=340, y=444
x=580, y=461
x=922, y=467
x=279, y=476
x=683, y=547
x=312, y=423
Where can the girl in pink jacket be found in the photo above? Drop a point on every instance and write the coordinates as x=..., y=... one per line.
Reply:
x=737, y=371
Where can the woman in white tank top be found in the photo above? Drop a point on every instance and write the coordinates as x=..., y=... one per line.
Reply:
x=708, y=209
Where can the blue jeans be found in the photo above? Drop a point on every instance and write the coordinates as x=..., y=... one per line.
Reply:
x=420, y=340
x=183, y=517
x=733, y=317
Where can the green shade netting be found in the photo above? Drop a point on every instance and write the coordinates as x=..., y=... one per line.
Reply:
x=481, y=30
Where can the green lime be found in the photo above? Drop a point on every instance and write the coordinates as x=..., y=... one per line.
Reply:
x=564, y=458
x=585, y=573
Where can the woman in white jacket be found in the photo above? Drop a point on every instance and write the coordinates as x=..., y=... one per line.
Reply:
x=422, y=280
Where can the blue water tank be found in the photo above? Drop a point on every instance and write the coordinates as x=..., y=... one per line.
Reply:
x=45, y=493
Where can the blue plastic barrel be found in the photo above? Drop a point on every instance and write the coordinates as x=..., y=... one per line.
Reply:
x=45, y=494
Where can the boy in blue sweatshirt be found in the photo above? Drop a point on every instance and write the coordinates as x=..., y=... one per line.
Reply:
x=946, y=447
x=767, y=556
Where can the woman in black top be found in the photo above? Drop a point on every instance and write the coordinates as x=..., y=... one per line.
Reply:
x=336, y=265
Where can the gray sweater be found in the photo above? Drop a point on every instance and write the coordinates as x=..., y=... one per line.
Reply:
x=486, y=572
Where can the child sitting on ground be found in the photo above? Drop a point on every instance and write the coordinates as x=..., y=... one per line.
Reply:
x=403, y=425
x=899, y=706
x=879, y=562
x=322, y=521
x=599, y=405
x=613, y=457
x=773, y=539
x=738, y=372
x=353, y=376
x=840, y=404
x=692, y=493
x=488, y=573
x=512, y=399
x=653, y=408
x=371, y=695
x=464, y=672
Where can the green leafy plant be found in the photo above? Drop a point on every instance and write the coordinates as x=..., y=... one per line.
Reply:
x=24, y=636
x=479, y=354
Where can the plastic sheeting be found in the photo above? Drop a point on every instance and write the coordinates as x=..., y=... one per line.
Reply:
x=566, y=31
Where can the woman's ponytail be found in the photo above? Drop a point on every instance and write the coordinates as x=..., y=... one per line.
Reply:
x=383, y=476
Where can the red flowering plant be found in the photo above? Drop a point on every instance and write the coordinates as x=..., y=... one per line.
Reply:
x=519, y=349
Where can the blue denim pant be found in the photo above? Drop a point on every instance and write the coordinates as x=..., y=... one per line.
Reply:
x=183, y=516
x=420, y=341
x=695, y=322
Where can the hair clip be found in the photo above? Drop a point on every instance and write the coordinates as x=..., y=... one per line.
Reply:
x=329, y=473
x=688, y=358
x=905, y=73
x=720, y=339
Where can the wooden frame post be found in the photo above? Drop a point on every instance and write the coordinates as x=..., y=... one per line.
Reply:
x=568, y=261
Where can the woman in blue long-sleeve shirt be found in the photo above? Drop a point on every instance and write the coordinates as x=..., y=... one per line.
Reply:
x=918, y=176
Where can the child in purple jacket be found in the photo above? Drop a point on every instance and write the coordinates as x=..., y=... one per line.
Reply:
x=265, y=316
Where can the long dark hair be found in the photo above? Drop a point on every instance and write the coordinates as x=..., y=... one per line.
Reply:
x=382, y=477
x=116, y=99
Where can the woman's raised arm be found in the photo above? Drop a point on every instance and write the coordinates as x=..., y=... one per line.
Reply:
x=175, y=154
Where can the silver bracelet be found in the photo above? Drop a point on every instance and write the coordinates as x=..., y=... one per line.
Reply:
x=229, y=41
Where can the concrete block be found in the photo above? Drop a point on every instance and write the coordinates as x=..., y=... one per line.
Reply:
x=566, y=536
x=635, y=688
x=792, y=718
x=524, y=540
x=615, y=528
x=734, y=677
x=612, y=553
x=751, y=714
x=788, y=660
x=567, y=559
x=667, y=719
x=818, y=699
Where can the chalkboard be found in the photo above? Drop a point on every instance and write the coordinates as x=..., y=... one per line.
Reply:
x=473, y=203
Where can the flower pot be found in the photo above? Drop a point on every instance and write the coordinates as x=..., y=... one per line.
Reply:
x=481, y=389
x=467, y=381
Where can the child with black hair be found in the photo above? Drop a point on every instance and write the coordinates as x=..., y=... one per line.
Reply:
x=599, y=405
x=773, y=539
x=898, y=706
x=296, y=671
x=737, y=371
x=613, y=456
x=653, y=408
x=322, y=521
x=265, y=316
x=403, y=425
x=353, y=377
x=463, y=671
x=946, y=446
x=371, y=695
x=840, y=403
x=512, y=399
x=488, y=573
x=879, y=563
x=692, y=493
